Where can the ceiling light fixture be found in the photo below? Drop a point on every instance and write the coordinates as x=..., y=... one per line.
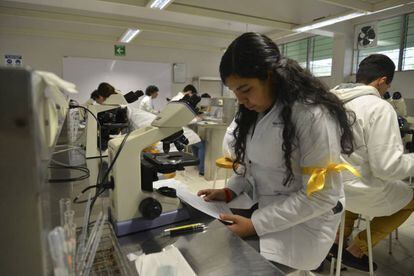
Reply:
x=129, y=35
x=158, y=4
x=329, y=21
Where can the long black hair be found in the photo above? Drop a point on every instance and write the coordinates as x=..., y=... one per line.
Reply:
x=254, y=55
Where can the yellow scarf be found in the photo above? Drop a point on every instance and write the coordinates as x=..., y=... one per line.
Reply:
x=316, y=181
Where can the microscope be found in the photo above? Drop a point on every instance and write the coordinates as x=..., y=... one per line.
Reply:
x=110, y=118
x=135, y=205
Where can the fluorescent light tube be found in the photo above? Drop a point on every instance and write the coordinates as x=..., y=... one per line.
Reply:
x=158, y=4
x=129, y=35
x=328, y=21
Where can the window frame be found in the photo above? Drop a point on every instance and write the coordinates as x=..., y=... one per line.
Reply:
x=402, y=45
x=310, y=43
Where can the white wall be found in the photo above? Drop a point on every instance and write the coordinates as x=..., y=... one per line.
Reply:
x=404, y=82
x=124, y=75
x=45, y=53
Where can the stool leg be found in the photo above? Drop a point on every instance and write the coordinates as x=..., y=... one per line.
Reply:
x=370, y=260
x=396, y=234
x=340, y=244
x=390, y=243
x=332, y=269
x=215, y=177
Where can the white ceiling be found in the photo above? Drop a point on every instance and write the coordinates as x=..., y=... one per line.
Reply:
x=207, y=25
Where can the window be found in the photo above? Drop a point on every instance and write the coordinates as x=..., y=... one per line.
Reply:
x=297, y=50
x=313, y=53
x=388, y=43
x=321, y=56
x=281, y=49
x=408, y=54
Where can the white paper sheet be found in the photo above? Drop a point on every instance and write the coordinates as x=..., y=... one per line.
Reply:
x=169, y=262
x=212, y=208
x=242, y=201
x=171, y=182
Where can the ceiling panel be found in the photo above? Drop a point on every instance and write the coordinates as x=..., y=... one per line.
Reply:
x=60, y=26
x=204, y=24
x=372, y=1
x=291, y=11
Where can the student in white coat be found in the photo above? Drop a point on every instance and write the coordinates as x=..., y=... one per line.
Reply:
x=378, y=156
x=288, y=128
x=189, y=90
x=139, y=118
x=199, y=148
x=104, y=91
x=146, y=104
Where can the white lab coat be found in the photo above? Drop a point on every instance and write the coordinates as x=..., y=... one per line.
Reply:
x=378, y=156
x=146, y=104
x=228, y=141
x=400, y=107
x=294, y=229
x=114, y=99
x=140, y=118
x=178, y=97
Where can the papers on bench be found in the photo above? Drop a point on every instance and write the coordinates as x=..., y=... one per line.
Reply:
x=168, y=262
x=213, y=208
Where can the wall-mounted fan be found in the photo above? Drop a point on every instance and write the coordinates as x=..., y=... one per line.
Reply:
x=366, y=36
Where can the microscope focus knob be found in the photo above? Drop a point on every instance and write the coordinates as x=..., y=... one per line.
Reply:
x=150, y=208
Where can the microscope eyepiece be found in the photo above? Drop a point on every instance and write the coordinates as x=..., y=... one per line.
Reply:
x=179, y=145
x=166, y=147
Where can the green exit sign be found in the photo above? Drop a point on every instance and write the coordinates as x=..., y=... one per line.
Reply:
x=120, y=50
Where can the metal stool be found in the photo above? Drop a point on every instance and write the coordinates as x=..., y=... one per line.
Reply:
x=389, y=236
x=224, y=163
x=390, y=241
x=340, y=246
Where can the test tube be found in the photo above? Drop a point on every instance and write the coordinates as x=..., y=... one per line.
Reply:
x=70, y=236
x=86, y=250
x=95, y=244
x=64, y=205
x=57, y=247
x=68, y=217
x=82, y=238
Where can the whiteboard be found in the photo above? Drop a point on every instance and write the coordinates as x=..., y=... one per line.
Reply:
x=88, y=73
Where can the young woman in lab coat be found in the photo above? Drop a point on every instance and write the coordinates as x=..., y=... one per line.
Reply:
x=288, y=127
x=146, y=104
x=104, y=91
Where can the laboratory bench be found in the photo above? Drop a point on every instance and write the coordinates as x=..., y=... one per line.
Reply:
x=215, y=251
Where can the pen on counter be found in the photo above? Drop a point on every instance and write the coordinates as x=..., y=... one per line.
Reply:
x=190, y=228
